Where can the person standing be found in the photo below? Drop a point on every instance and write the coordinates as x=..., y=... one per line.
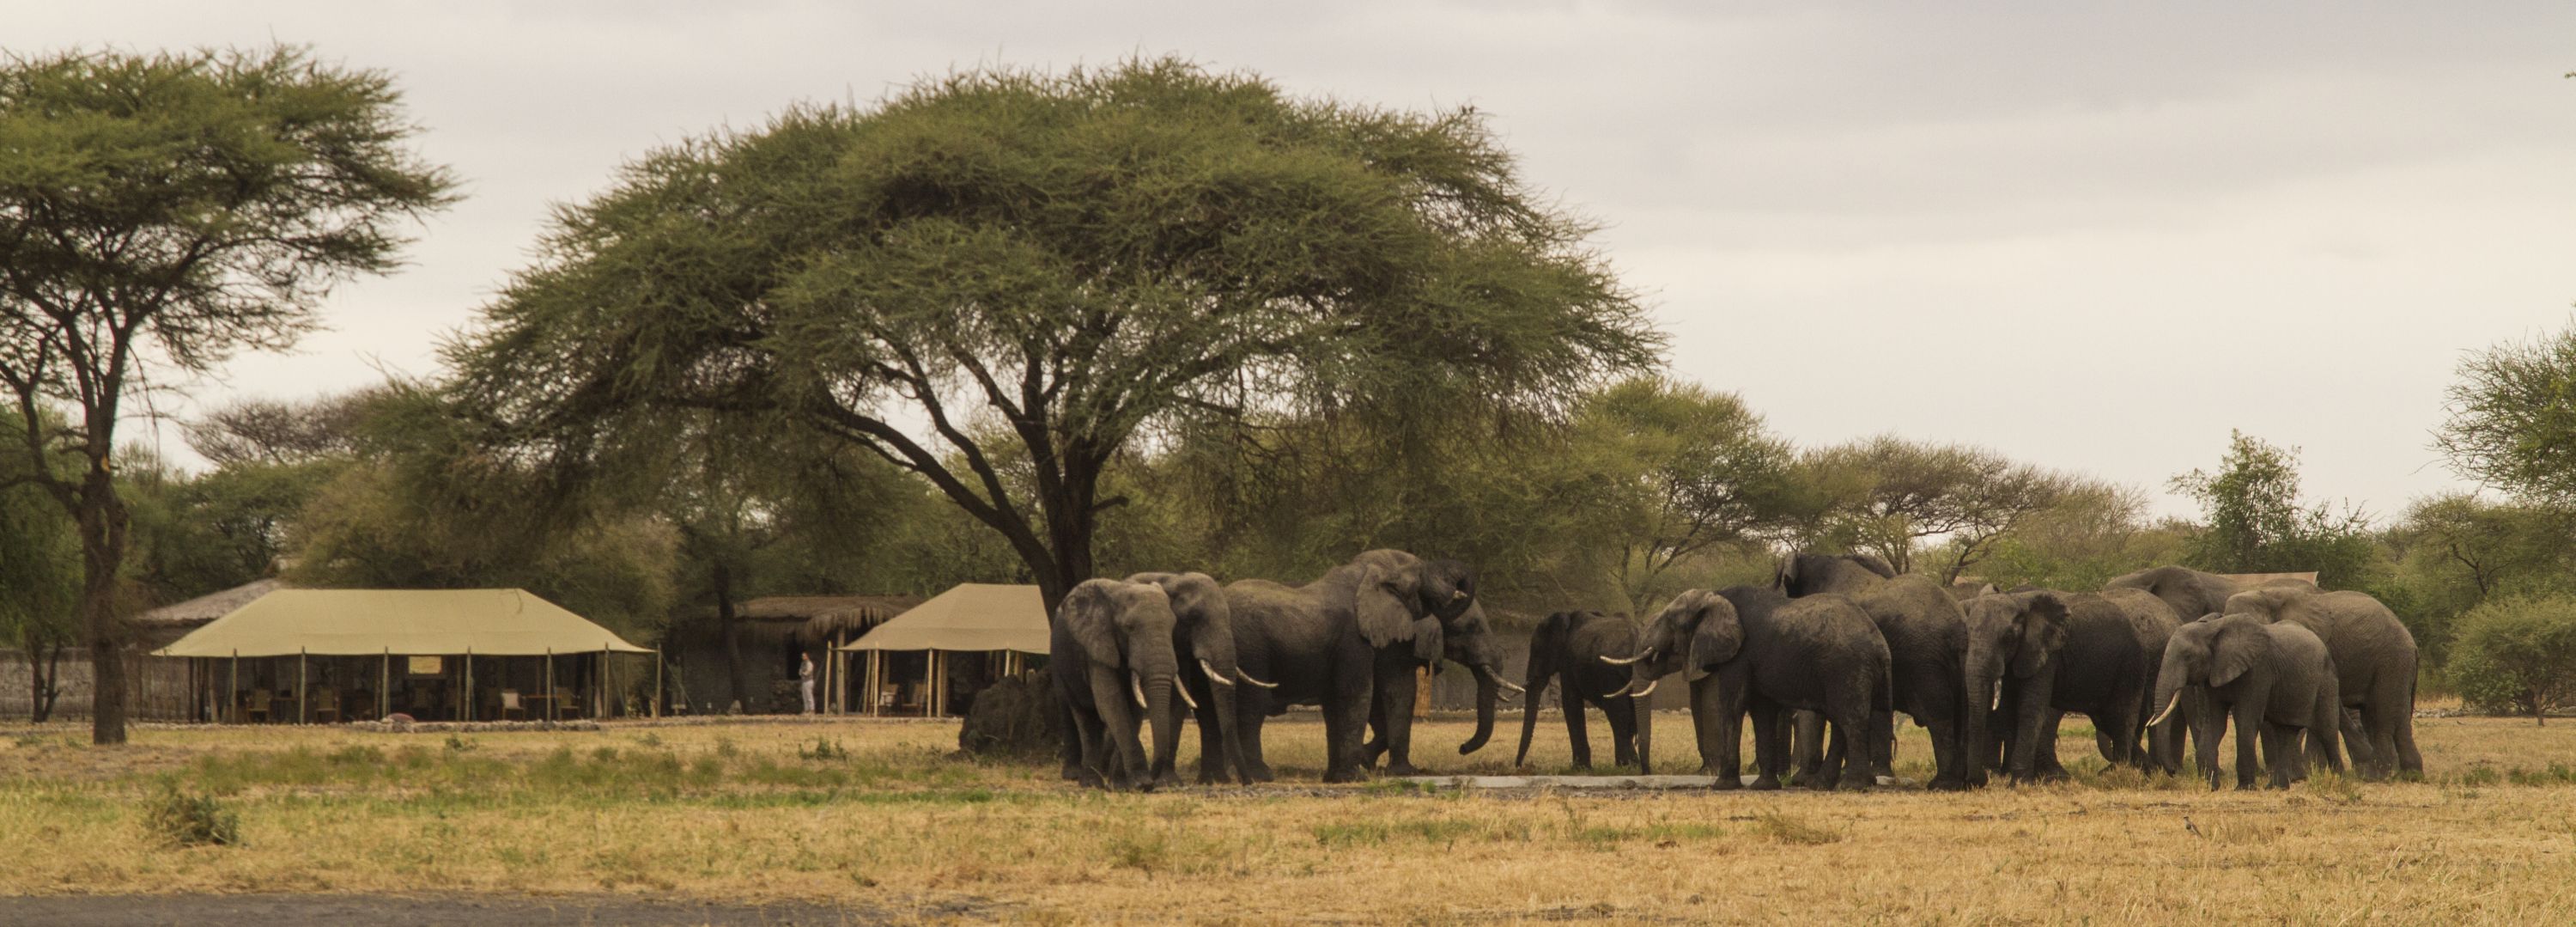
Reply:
x=805, y=679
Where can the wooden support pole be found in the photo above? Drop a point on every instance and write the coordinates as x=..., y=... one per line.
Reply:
x=302, y=714
x=657, y=683
x=551, y=715
x=232, y=699
x=465, y=698
x=385, y=687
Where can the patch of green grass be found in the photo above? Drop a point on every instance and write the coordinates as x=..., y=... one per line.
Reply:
x=1796, y=831
x=189, y=820
x=1379, y=833
x=823, y=749
x=2333, y=787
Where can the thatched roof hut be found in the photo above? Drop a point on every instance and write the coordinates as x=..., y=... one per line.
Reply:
x=159, y=627
x=817, y=619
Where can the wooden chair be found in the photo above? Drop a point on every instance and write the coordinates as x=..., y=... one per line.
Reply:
x=260, y=701
x=567, y=703
x=510, y=705
x=326, y=705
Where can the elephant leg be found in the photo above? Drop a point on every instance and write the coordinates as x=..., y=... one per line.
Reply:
x=1807, y=743
x=1842, y=747
x=1248, y=718
x=1716, y=722
x=1770, y=745
x=1109, y=695
x=1395, y=693
x=2044, y=763
x=1622, y=715
x=1882, y=744
x=1090, y=748
x=1346, y=714
x=1377, y=741
x=2248, y=718
x=1575, y=735
x=2285, y=745
x=2390, y=716
x=1949, y=751
x=1068, y=730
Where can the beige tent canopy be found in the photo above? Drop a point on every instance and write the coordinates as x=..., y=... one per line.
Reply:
x=996, y=622
x=369, y=622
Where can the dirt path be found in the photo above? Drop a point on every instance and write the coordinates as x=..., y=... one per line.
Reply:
x=445, y=910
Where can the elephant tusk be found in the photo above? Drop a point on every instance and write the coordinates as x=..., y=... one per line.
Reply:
x=1137, y=684
x=1622, y=690
x=1185, y=694
x=1648, y=690
x=1621, y=661
x=1507, y=684
x=1212, y=675
x=2169, y=708
x=1247, y=677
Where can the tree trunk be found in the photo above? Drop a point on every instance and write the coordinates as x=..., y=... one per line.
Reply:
x=102, y=529
x=44, y=678
x=732, y=629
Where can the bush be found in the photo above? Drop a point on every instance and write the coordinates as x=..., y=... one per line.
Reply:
x=191, y=820
x=2516, y=656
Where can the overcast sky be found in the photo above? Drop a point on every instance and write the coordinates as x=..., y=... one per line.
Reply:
x=2094, y=240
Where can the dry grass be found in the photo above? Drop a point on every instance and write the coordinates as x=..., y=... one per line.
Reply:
x=878, y=812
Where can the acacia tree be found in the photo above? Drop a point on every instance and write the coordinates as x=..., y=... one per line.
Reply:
x=1001, y=279
x=2511, y=424
x=1892, y=495
x=1697, y=470
x=165, y=211
x=2257, y=525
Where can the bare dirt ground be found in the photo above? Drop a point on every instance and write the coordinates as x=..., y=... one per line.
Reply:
x=848, y=821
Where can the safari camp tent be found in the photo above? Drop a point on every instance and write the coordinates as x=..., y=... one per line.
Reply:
x=931, y=661
x=155, y=689
x=751, y=657
x=309, y=655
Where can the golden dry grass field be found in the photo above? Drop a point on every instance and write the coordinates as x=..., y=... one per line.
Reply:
x=880, y=814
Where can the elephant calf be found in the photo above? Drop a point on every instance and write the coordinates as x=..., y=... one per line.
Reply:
x=1747, y=649
x=2274, y=680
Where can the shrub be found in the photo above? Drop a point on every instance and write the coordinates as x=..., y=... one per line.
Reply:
x=2516, y=656
x=191, y=820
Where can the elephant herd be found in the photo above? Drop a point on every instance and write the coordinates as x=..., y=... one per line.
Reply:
x=1821, y=660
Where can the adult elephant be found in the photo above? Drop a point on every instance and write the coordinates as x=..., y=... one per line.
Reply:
x=1348, y=638
x=2374, y=660
x=1567, y=649
x=2037, y=655
x=1927, y=642
x=1752, y=650
x=1467, y=641
x=2192, y=593
x=2274, y=679
x=1110, y=641
x=1203, y=632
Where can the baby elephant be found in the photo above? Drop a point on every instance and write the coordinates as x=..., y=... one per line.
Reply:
x=2271, y=678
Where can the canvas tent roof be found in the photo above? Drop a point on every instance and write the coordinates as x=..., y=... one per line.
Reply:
x=970, y=617
x=360, y=622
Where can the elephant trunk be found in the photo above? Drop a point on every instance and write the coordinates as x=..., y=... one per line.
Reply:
x=1164, y=712
x=1539, y=671
x=1646, y=737
x=1977, y=727
x=1489, y=693
x=1228, y=738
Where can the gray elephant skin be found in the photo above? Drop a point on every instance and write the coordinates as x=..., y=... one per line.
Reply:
x=1110, y=650
x=2192, y=593
x=1751, y=650
x=1927, y=642
x=2274, y=680
x=2374, y=659
x=1342, y=641
x=2036, y=655
x=1567, y=649
x=1467, y=641
x=1203, y=636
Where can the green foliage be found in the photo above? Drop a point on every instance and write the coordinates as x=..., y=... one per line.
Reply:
x=2088, y=537
x=2517, y=655
x=1088, y=256
x=2456, y=551
x=425, y=507
x=169, y=210
x=1688, y=473
x=1888, y=496
x=2511, y=422
x=2256, y=524
x=189, y=820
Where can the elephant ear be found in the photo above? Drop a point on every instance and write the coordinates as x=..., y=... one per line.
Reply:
x=2043, y=632
x=1090, y=614
x=1786, y=577
x=1720, y=636
x=1427, y=640
x=2240, y=645
x=1380, y=602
